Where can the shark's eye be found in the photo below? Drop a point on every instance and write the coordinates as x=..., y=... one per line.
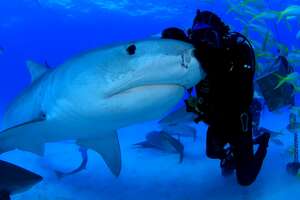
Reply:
x=131, y=49
x=43, y=115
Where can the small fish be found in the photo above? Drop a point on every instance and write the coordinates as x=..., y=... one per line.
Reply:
x=291, y=17
x=266, y=40
x=241, y=9
x=270, y=14
x=254, y=4
x=291, y=78
x=294, y=50
x=163, y=141
x=292, y=10
x=261, y=29
x=264, y=55
x=277, y=141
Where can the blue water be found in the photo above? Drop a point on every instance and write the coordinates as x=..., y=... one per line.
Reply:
x=54, y=30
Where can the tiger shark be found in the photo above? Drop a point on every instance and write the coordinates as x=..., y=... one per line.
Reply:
x=87, y=98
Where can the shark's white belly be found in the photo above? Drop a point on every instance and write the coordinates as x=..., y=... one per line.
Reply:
x=133, y=106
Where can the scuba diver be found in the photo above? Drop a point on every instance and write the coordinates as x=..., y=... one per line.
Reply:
x=223, y=99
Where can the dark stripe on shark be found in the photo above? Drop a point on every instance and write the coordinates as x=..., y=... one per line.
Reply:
x=42, y=117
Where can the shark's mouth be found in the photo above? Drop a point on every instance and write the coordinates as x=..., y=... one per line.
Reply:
x=149, y=87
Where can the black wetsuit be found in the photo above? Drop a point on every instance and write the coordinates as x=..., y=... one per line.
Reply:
x=256, y=109
x=230, y=68
x=230, y=119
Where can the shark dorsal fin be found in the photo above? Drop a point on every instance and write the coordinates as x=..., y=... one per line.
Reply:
x=36, y=70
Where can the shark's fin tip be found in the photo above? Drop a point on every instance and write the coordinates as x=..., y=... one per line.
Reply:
x=36, y=70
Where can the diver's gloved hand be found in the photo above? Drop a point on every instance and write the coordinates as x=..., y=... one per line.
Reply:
x=191, y=104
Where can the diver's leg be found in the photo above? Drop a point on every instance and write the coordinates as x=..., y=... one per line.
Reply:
x=244, y=158
x=248, y=164
x=214, y=144
x=260, y=154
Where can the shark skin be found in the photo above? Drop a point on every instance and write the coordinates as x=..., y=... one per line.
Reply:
x=90, y=96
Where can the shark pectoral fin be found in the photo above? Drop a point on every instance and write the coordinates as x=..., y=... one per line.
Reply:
x=24, y=136
x=108, y=147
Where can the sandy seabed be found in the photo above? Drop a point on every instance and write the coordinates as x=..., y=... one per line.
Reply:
x=152, y=174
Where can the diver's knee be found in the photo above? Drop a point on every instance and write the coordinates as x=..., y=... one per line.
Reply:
x=245, y=180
